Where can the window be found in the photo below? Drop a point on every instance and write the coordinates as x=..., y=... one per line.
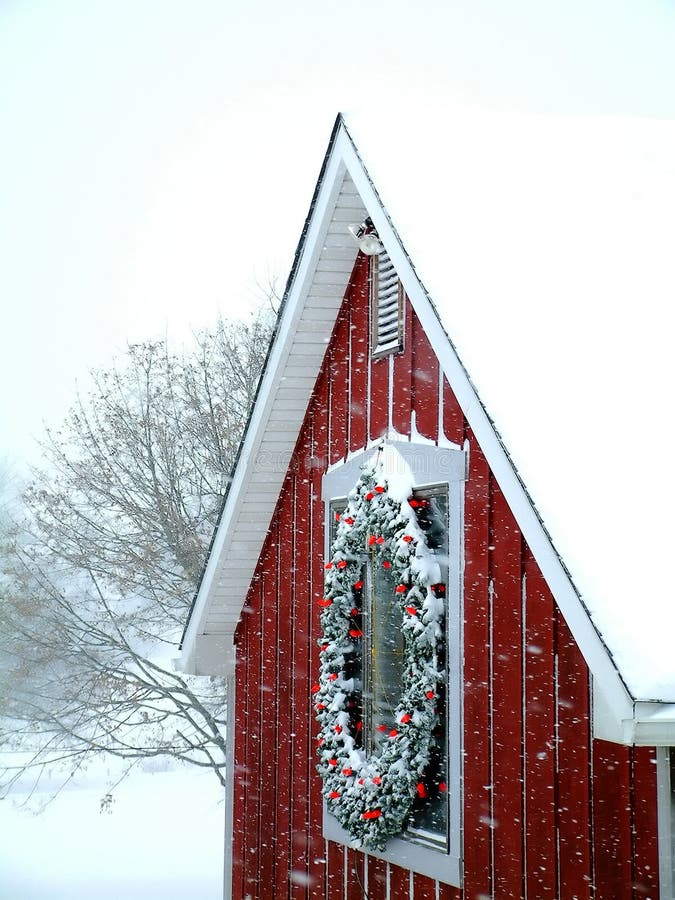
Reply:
x=430, y=842
x=383, y=674
x=386, y=304
x=376, y=660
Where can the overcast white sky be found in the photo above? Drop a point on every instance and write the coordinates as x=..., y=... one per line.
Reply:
x=157, y=158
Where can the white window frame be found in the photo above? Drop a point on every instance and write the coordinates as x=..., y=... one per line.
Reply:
x=430, y=466
x=666, y=823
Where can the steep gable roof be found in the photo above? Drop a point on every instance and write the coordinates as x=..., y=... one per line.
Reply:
x=542, y=252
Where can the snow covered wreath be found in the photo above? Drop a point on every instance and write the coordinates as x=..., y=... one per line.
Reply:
x=372, y=794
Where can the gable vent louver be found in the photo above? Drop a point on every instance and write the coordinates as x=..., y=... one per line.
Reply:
x=387, y=306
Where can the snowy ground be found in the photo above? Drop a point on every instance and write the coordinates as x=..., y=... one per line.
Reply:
x=163, y=838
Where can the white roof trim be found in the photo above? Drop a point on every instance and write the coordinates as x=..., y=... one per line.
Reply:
x=343, y=159
x=654, y=725
x=262, y=463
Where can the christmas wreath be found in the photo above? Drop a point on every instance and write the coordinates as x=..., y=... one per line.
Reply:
x=372, y=793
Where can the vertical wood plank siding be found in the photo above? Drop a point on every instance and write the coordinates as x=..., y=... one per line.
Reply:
x=539, y=733
x=300, y=539
x=507, y=688
x=359, y=368
x=478, y=850
x=425, y=382
x=547, y=813
x=645, y=826
x=269, y=761
x=318, y=424
x=573, y=766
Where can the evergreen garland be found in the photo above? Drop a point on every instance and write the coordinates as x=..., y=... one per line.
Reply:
x=371, y=795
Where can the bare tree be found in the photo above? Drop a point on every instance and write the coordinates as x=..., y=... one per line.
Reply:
x=99, y=577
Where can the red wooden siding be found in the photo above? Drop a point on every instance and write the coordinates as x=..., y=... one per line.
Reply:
x=539, y=733
x=573, y=768
x=478, y=849
x=547, y=814
x=403, y=379
x=318, y=425
x=358, y=335
x=643, y=761
x=301, y=730
x=425, y=382
x=508, y=776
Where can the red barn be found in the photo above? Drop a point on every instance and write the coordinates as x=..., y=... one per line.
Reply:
x=446, y=676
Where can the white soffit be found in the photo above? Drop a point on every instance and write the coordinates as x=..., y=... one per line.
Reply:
x=312, y=302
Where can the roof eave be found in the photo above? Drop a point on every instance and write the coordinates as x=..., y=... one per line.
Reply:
x=653, y=725
x=252, y=462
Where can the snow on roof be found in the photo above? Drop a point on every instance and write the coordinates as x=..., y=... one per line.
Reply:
x=546, y=246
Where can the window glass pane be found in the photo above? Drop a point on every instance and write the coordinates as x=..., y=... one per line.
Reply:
x=387, y=654
x=354, y=665
x=430, y=813
x=337, y=507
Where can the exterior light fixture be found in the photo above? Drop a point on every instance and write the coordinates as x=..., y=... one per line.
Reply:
x=367, y=238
